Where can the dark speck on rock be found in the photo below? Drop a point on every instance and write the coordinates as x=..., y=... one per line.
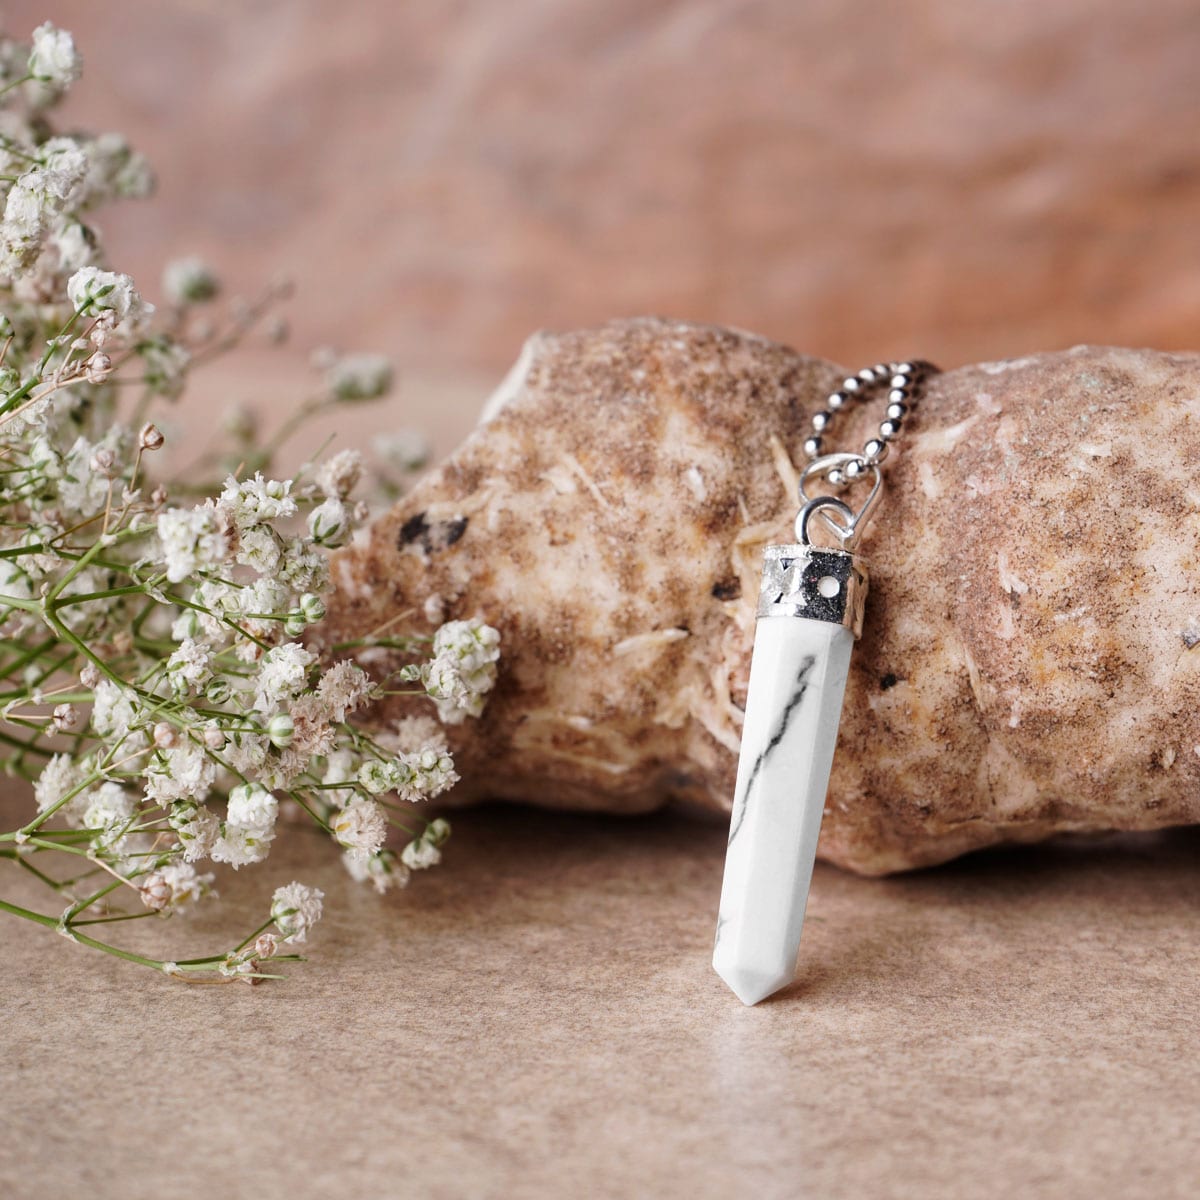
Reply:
x=433, y=537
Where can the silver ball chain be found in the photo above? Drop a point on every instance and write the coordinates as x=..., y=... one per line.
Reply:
x=903, y=381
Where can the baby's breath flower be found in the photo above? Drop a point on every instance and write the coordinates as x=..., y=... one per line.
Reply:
x=259, y=547
x=164, y=366
x=165, y=735
x=197, y=828
x=330, y=523
x=59, y=777
x=96, y=370
x=382, y=870
x=344, y=688
x=151, y=437
x=190, y=666
x=187, y=884
x=424, y=774
x=360, y=377
x=403, y=449
x=66, y=717
x=258, y=499
x=377, y=777
x=54, y=59
x=359, y=827
x=463, y=668
x=178, y=619
x=420, y=854
x=281, y=730
x=75, y=245
x=281, y=676
x=192, y=539
x=179, y=774
x=312, y=609
x=337, y=476
x=252, y=806
x=113, y=709
x=295, y=909
x=93, y=292
x=189, y=281
x=108, y=813
x=242, y=845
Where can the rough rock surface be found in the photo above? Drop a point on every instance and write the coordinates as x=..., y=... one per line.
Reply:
x=1030, y=660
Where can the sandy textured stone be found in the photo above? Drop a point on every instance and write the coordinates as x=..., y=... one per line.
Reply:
x=1027, y=661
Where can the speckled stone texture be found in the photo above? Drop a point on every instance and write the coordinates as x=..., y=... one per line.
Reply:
x=1027, y=661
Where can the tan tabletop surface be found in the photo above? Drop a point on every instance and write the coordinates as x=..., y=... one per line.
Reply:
x=538, y=1018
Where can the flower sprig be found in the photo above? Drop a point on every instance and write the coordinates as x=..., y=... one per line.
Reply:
x=156, y=688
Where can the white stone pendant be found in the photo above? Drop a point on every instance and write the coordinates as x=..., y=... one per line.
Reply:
x=809, y=614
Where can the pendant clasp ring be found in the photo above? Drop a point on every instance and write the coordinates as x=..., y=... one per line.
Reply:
x=830, y=467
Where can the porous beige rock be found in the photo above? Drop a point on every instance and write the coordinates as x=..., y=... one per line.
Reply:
x=1030, y=660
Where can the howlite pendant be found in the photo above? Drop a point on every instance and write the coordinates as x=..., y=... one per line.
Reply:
x=809, y=614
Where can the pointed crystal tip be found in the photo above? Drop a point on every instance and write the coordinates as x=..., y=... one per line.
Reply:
x=751, y=985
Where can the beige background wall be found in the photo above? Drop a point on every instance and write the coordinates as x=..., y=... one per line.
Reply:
x=949, y=178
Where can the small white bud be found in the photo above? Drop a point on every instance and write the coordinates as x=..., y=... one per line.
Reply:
x=97, y=368
x=265, y=945
x=155, y=891
x=151, y=437
x=281, y=729
x=214, y=738
x=66, y=716
x=312, y=606
x=103, y=461
x=89, y=676
x=165, y=736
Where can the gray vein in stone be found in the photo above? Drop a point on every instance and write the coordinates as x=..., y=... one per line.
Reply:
x=793, y=703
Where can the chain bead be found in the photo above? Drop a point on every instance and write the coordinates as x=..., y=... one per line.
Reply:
x=902, y=382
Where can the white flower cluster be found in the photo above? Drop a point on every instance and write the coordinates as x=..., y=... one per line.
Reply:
x=295, y=909
x=108, y=296
x=54, y=59
x=359, y=376
x=164, y=683
x=463, y=668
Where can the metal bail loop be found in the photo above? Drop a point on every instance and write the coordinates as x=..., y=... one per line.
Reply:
x=829, y=466
x=841, y=531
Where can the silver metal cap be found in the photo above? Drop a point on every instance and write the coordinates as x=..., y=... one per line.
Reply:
x=815, y=582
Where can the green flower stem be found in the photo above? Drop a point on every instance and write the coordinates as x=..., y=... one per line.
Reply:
x=16, y=83
x=138, y=916
x=261, y=929
x=391, y=643
x=155, y=964
x=80, y=905
x=14, y=853
x=8, y=739
x=33, y=606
